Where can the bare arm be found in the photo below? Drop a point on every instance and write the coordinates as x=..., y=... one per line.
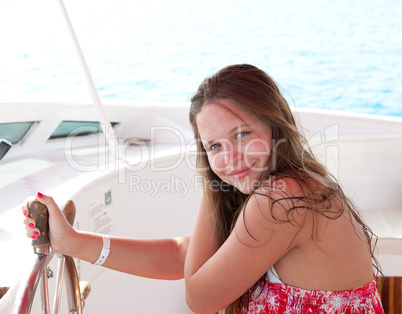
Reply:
x=217, y=276
x=205, y=244
x=151, y=258
x=157, y=258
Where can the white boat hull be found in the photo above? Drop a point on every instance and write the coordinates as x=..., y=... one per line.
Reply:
x=158, y=197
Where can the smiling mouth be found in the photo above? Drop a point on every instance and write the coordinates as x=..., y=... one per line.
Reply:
x=242, y=173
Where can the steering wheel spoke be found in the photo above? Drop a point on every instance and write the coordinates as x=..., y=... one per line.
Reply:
x=66, y=271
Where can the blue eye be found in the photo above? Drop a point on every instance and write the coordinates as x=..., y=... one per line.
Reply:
x=214, y=146
x=241, y=134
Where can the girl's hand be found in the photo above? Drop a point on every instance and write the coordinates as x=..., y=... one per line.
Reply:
x=60, y=231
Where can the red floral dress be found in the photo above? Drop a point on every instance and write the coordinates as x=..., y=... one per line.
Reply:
x=280, y=298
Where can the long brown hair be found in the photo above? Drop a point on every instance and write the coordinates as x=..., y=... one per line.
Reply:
x=290, y=155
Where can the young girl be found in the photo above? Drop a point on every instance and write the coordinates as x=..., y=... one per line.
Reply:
x=274, y=233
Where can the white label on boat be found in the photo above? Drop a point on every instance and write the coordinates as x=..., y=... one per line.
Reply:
x=101, y=209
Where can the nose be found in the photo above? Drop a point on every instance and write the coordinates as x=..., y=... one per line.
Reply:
x=232, y=157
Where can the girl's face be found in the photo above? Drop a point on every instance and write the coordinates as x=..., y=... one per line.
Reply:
x=238, y=143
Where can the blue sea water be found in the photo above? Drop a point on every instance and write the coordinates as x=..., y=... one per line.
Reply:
x=343, y=55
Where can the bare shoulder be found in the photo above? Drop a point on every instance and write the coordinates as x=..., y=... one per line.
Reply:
x=284, y=199
x=278, y=187
x=274, y=211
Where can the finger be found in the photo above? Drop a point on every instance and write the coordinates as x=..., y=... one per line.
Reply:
x=54, y=211
x=25, y=206
x=24, y=209
x=29, y=222
x=32, y=233
x=46, y=200
x=30, y=228
x=53, y=208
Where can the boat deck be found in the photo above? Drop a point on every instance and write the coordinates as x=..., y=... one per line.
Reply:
x=363, y=152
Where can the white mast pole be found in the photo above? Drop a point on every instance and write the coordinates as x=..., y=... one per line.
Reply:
x=104, y=121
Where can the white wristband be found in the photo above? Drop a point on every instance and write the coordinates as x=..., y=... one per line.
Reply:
x=105, y=250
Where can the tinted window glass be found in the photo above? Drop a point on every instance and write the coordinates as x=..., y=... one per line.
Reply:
x=14, y=132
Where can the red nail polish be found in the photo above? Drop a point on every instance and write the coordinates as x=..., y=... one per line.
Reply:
x=31, y=225
x=36, y=233
x=24, y=212
x=39, y=194
x=33, y=237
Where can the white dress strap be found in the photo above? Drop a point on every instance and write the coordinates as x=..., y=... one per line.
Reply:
x=273, y=276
